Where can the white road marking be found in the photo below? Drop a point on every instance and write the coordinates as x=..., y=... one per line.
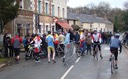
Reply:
x=78, y=59
x=66, y=73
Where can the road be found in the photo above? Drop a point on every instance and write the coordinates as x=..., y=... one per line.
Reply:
x=85, y=67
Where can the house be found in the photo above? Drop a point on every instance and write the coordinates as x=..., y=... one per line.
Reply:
x=90, y=22
x=73, y=20
x=39, y=16
x=50, y=15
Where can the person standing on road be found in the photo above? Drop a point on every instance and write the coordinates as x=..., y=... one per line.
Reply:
x=50, y=42
x=67, y=38
x=16, y=41
x=5, y=45
x=89, y=43
x=61, y=39
x=55, y=35
x=114, y=44
x=10, y=47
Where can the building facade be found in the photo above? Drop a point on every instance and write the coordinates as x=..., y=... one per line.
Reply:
x=91, y=22
x=38, y=16
x=47, y=11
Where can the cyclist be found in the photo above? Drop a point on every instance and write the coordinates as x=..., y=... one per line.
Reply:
x=114, y=44
x=37, y=46
x=96, y=39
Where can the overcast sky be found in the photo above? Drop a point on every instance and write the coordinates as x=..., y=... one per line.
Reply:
x=113, y=3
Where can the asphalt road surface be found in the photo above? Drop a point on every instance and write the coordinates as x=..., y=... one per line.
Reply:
x=85, y=67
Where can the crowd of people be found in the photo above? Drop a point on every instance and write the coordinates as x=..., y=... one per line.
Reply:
x=50, y=41
x=125, y=38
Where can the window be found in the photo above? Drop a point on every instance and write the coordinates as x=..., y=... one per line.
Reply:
x=21, y=4
x=46, y=8
x=58, y=11
x=63, y=12
x=74, y=22
x=53, y=29
x=46, y=28
x=52, y=10
x=39, y=6
x=39, y=28
x=19, y=29
x=27, y=29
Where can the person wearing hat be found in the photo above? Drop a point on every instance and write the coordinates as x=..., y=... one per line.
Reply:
x=114, y=44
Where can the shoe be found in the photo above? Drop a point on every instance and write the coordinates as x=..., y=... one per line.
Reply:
x=17, y=62
x=38, y=61
x=54, y=61
x=116, y=67
x=48, y=61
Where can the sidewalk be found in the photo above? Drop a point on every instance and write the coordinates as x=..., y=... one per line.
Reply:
x=125, y=46
x=5, y=62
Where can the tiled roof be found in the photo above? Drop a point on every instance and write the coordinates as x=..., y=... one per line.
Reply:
x=87, y=18
x=72, y=16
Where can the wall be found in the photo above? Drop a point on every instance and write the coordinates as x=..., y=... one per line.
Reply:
x=62, y=4
x=86, y=26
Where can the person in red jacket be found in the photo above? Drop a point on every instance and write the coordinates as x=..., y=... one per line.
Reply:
x=16, y=41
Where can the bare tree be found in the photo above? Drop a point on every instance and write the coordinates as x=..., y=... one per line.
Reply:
x=126, y=5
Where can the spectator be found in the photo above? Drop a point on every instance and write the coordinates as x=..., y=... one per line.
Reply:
x=55, y=42
x=89, y=42
x=5, y=45
x=10, y=47
x=77, y=37
x=71, y=35
x=50, y=42
x=25, y=43
x=16, y=41
x=61, y=39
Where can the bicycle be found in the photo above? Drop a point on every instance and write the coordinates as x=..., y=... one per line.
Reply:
x=30, y=52
x=112, y=63
x=78, y=50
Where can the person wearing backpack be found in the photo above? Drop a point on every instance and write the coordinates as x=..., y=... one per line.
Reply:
x=16, y=41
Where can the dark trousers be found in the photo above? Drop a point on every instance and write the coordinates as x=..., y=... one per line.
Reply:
x=11, y=51
x=55, y=49
x=89, y=48
x=17, y=51
x=6, y=51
